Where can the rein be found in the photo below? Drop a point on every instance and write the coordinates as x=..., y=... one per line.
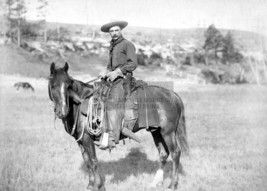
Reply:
x=98, y=77
x=75, y=122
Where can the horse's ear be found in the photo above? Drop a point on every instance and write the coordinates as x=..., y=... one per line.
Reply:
x=66, y=67
x=52, y=68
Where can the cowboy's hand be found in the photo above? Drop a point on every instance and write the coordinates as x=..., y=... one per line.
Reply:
x=113, y=75
x=103, y=74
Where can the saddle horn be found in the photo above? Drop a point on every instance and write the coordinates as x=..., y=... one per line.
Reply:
x=130, y=134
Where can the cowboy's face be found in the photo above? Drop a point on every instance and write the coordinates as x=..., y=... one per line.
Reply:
x=115, y=32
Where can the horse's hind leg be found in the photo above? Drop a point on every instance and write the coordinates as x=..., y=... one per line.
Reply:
x=171, y=142
x=163, y=155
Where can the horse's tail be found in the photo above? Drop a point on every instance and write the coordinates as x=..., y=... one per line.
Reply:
x=181, y=134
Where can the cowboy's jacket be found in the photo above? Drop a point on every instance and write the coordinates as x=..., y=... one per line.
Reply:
x=122, y=55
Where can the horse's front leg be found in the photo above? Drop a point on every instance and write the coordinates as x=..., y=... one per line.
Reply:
x=96, y=182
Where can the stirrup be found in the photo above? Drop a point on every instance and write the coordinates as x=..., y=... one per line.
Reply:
x=105, y=142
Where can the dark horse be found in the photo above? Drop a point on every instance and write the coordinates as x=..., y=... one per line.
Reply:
x=169, y=138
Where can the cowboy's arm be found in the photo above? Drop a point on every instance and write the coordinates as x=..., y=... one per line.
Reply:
x=131, y=62
x=109, y=66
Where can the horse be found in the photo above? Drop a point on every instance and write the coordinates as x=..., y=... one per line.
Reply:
x=170, y=138
x=24, y=85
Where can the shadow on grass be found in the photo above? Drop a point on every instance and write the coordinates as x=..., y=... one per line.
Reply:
x=135, y=163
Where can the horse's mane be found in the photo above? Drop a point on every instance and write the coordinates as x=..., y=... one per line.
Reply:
x=80, y=88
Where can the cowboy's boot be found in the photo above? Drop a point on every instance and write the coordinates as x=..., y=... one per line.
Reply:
x=107, y=141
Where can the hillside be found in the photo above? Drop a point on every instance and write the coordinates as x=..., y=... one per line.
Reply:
x=248, y=41
x=168, y=53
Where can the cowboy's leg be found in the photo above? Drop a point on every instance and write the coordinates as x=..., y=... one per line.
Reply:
x=131, y=114
x=130, y=103
x=128, y=81
x=113, y=118
x=108, y=138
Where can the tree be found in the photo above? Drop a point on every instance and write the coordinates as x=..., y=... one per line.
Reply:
x=3, y=20
x=16, y=17
x=213, y=41
x=42, y=12
x=230, y=53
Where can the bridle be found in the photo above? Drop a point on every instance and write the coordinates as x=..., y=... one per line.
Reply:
x=53, y=100
x=65, y=122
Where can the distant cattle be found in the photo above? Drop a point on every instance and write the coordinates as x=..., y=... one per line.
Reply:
x=24, y=85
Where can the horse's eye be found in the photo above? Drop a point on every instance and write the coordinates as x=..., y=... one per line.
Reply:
x=67, y=86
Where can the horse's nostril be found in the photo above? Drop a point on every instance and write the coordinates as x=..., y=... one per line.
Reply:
x=59, y=114
x=65, y=111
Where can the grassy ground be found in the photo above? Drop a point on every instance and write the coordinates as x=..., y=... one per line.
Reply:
x=226, y=130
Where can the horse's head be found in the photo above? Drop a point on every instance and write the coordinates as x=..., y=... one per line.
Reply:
x=60, y=90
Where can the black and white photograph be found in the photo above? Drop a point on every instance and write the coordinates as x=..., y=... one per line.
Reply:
x=127, y=95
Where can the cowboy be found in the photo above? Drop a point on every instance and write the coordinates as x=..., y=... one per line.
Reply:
x=122, y=63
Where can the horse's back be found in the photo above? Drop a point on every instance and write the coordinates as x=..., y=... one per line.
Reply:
x=167, y=97
x=170, y=108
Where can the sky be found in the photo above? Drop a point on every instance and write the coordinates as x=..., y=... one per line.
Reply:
x=248, y=15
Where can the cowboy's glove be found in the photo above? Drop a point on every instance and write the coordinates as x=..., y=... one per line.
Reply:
x=114, y=74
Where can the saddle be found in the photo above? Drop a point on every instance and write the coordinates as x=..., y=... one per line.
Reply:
x=147, y=111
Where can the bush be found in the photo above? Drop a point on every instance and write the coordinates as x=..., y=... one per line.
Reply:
x=155, y=56
x=30, y=29
x=187, y=61
x=212, y=76
x=155, y=59
x=141, y=57
x=60, y=34
x=233, y=74
x=199, y=58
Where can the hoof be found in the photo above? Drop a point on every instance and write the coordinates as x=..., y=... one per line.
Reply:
x=102, y=188
x=155, y=185
x=172, y=187
x=158, y=179
x=111, y=145
x=90, y=188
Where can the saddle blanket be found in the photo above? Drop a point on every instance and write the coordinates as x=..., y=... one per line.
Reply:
x=147, y=108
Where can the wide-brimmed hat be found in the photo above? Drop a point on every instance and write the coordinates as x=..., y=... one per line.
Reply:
x=121, y=24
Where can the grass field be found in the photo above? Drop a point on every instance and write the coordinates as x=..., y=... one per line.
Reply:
x=227, y=132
